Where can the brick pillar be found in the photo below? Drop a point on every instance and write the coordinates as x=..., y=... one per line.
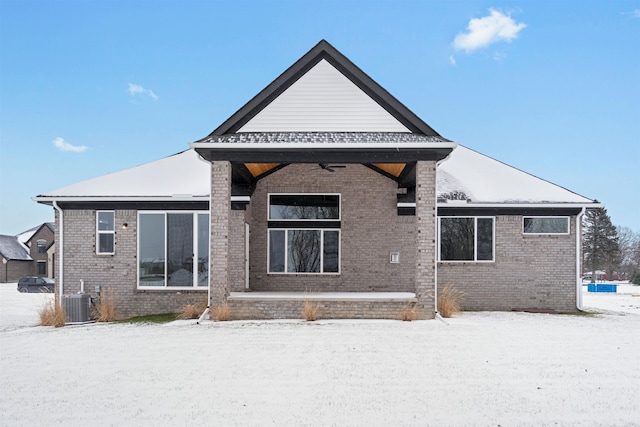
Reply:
x=220, y=211
x=425, y=238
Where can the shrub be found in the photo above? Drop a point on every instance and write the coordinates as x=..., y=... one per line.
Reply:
x=449, y=301
x=52, y=313
x=222, y=312
x=409, y=313
x=310, y=310
x=636, y=279
x=192, y=311
x=105, y=310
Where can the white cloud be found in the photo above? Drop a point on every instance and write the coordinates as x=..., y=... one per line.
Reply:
x=482, y=32
x=452, y=59
x=62, y=145
x=135, y=89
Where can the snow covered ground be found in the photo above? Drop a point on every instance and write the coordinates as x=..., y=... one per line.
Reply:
x=481, y=368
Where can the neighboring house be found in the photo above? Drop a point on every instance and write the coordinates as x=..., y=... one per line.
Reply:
x=323, y=187
x=31, y=253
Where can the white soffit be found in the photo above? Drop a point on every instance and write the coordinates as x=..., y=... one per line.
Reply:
x=486, y=180
x=323, y=100
x=182, y=175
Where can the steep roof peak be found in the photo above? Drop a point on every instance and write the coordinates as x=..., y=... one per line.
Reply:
x=324, y=50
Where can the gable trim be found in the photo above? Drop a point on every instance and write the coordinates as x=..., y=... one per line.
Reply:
x=324, y=50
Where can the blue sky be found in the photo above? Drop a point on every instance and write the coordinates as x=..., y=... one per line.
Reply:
x=92, y=87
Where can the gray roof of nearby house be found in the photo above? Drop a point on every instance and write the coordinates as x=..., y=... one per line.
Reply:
x=12, y=249
x=25, y=236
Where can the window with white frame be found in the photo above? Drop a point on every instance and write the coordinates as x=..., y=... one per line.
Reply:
x=304, y=233
x=467, y=238
x=545, y=225
x=173, y=249
x=105, y=232
x=41, y=246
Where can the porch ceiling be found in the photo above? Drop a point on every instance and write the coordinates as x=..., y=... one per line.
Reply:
x=259, y=169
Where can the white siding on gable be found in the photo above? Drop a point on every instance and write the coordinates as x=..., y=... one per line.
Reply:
x=323, y=100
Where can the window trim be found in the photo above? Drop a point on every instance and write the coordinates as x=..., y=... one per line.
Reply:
x=286, y=252
x=41, y=243
x=309, y=219
x=548, y=217
x=101, y=232
x=196, y=224
x=41, y=263
x=475, y=240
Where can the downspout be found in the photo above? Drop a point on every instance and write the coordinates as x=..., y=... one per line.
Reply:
x=61, y=247
x=579, y=259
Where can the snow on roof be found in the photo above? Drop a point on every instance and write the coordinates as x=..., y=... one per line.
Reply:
x=465, y=175
x=469, y=175
x=25, y=236
x=12, y=249
x=183, y=174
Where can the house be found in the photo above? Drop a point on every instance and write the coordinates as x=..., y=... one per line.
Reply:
x=323, y=187
x=31, y=253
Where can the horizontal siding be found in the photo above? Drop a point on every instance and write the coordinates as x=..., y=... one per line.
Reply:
x=324, y=100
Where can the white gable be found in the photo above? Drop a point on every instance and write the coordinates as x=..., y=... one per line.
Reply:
x=323, y=100
x=486, y=180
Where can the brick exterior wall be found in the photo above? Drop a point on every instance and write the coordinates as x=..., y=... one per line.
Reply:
x=118, y=272
x=48, y=236
x=220, y=211
x=237, y=251
x=13, y=270
x=425, y=238
x=529, y=272
x=328, y=309
x=370, y=230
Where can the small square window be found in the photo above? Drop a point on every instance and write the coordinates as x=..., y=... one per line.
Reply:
x=545, y=225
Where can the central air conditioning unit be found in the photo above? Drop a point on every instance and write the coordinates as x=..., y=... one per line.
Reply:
x=77, y=308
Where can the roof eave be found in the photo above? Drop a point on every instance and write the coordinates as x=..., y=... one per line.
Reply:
x=323, y=152
x=48, y=200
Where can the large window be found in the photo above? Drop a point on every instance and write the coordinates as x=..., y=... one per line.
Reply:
x=173, y=249
x=545, y=225
x=105, y=232
x=41, y=246
x=304, y=233
x=466, y=239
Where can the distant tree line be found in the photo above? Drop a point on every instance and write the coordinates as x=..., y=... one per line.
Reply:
x=609, y=248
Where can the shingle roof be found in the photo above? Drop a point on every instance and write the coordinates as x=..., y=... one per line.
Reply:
x=183, y=174
x=12, y=249
x=481, y=179
x=323, y=138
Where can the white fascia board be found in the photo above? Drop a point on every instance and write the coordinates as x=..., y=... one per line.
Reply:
x=319, y=145
x=240, y=198
x=174, y=198
x=520, y=205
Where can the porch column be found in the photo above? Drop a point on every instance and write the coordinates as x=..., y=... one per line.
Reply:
x=425, y=238
x=220, y=210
